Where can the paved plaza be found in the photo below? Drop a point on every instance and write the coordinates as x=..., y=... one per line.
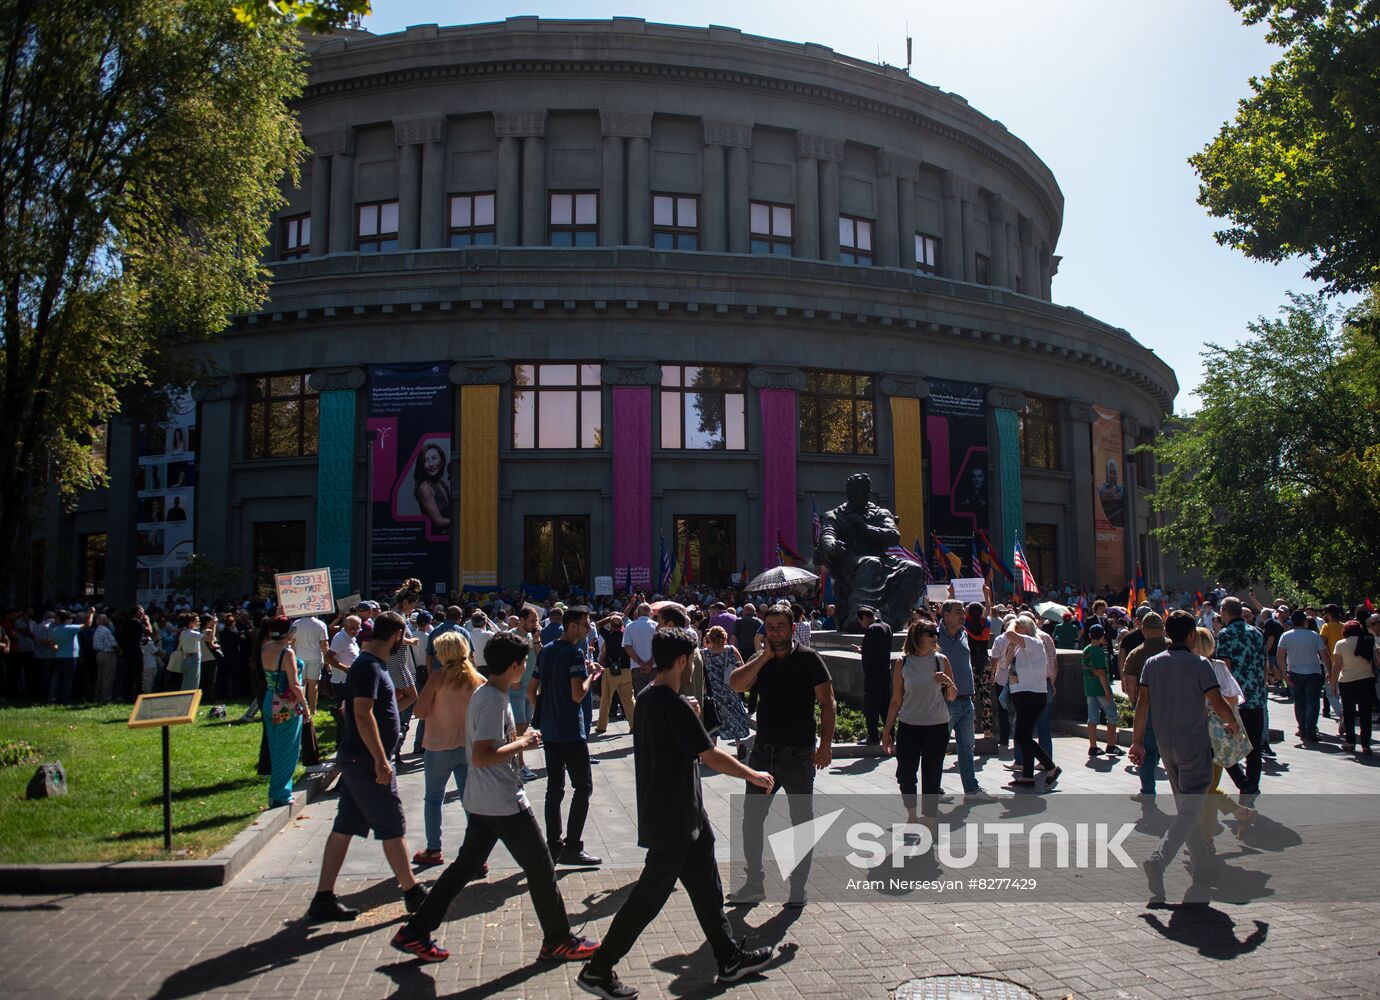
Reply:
x=248, y=939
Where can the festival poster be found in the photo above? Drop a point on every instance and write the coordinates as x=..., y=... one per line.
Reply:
x=165, y=502
x=410, y=490
x=1109, y=498
x=956, y=443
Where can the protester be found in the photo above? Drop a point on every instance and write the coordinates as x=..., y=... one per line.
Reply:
x=1301, y=656
x=1154, y=643
x=1027, y=669
x=720, y=660
x=1353, y=674
x=402, y=665
x=442, y=704
x=953, y=643
x=922, y=689
x=310, y=640
x=1242, y=648
x=669, y=743
x=617, y=681
x=368, y=797
x=875, y=654
x=789, y=681
x=283, y=708
x=1216, y=802
x=523, y=702
x=562, y=683
x=1097, y=689
x=497, y=809
x=637, y=640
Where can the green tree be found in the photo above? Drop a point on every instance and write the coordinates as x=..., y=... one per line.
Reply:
x=313, y=15
x=1297, y=174
x=1273, y=479
x=142, y=145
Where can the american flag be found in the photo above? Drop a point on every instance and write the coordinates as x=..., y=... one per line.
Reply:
x=1026, y=579
x=899, y=551
x=924, y=563
x=815, y=524
x=976, y=563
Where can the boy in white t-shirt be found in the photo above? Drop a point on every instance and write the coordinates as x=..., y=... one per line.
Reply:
x=309, y=641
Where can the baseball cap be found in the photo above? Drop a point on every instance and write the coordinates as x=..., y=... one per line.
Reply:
x=1095, y=631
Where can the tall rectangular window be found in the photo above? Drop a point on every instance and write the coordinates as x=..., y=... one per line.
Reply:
x=855, y=240
x=279, y=547
x=472, y=220
x=557, y=406
x=282, y=417
x=926, y=253
x=772, y=228
x=703, y=407
x=93, y=565
x=982, y=268
x=675, y=222
x=294, y=236
x=836, y=414
x=1042, y=549
x=556, y=551
x=712, y=546
x=1039, y=433
x=377, y=227
x=574, y=219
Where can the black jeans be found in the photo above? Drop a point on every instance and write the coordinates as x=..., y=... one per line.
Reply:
x=562, y=758
x=521, y=835
x=793, y=769
x=1028, y=706
x=692, y=864
x=1358, y=698
x=1003, y=716
x=921, y=747
x=876, y=699
x=1247, y=781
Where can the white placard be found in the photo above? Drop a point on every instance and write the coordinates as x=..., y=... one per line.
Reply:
x=306, y=592
x=968, y=589
x=936, y=593
x=603, y=586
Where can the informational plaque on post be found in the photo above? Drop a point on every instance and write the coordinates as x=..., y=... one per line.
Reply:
x=306, y=592
x=175, y=708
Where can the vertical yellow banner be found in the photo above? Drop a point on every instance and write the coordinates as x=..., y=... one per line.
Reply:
x=478, y=486
x=905, y=464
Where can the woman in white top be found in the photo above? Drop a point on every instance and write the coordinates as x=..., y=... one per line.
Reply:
x=1024, y=663
x=1353, y=674
x=186, y=658
x=922, y=685
x=1204, y=643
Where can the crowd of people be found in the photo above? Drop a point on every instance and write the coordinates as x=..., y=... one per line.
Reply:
x=487, y=686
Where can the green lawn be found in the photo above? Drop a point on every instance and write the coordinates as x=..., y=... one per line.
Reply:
x=113, y=810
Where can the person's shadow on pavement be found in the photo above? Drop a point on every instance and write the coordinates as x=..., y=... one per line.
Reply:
x=1212, y=932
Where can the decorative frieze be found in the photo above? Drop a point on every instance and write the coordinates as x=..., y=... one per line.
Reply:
x=338, y=140
x=519, y=123
x=723, y=132
x=777, y=378
x=627, y=124
x=1001, y=397
x=904, y=386
x=818, y=147
x=327, y=379
x=893, y=164
x=480, y=373
x=418, y=129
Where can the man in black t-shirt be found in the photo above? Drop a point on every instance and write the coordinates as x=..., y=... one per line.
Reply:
x=368, y=787
x=669, y=742
x=876, y=667
x=745, y=632
x=789, y=680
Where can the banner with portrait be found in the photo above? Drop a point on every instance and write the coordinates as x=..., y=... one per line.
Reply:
x=956, y=443
x=1109, y=498
x=409, y=426
x=165, y=502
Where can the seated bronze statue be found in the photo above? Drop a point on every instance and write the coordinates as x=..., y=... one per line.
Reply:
x=853, y=544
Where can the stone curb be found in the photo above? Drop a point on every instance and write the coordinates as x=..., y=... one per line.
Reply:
x=1123, y=736
x=204, y=873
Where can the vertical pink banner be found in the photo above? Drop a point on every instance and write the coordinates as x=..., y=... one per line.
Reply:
x=778, y=473
x=632, y=482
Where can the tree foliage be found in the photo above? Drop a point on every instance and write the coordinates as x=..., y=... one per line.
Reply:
x=142, y=145
x=1274, y=478
x=1297, y=174
x=313, y=15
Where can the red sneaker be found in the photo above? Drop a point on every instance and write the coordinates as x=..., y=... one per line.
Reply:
x=428, y=857
x=573, y=949
x=419, y=947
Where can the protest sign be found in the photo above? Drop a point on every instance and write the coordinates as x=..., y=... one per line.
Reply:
x=306, y=592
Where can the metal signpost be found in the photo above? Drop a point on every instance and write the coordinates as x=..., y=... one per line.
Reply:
x=174, y=708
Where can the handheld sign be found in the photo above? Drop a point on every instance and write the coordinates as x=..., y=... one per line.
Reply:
x=306, y=592
x=347, y=605
x=968, y=589
x=603, y=586
x=175, y=708
x=936, y=593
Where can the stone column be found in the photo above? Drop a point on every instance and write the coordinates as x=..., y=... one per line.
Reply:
x=712, y=200
x=952, y=248
x=530, y=127
x=216, y=432
x=339, y=146
x=969, y=238
x=736, y=139
x=335, y=468
x=1077, y=417
x=887, y=237
x=777, y=388
x=1030, y=263
x=640, y=188
x=409, y=193
x=996, y=209
x=508, y=194
x=829, y=209
x=1006, y=405
x=435, y=210
x=906, y=194
x=612, y=193
x=817, y=165
x=1013, y=245
x=806, y=228
x=320, y=205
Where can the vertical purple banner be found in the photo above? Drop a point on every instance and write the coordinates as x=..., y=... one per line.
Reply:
x=632, y=483
x=778, y=471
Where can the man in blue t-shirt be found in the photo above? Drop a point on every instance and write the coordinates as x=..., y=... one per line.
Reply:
x=562, y=683
x=369, y=800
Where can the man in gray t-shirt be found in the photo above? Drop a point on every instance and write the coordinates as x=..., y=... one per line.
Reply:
x=495, y=790
x=1177, y=686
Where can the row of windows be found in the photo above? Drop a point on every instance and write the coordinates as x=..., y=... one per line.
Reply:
x=574, y=222
x=703, y=408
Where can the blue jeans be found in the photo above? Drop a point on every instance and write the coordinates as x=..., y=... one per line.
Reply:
x=1152, y=759
x=1307, y=701
x=439, y=766
x=1042, y=730
x=961, y=721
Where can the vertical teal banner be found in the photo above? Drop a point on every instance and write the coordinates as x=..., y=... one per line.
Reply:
x=335, y=486
x=1009, y=469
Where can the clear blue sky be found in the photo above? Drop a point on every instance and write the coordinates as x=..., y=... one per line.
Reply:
x=1112, y=96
